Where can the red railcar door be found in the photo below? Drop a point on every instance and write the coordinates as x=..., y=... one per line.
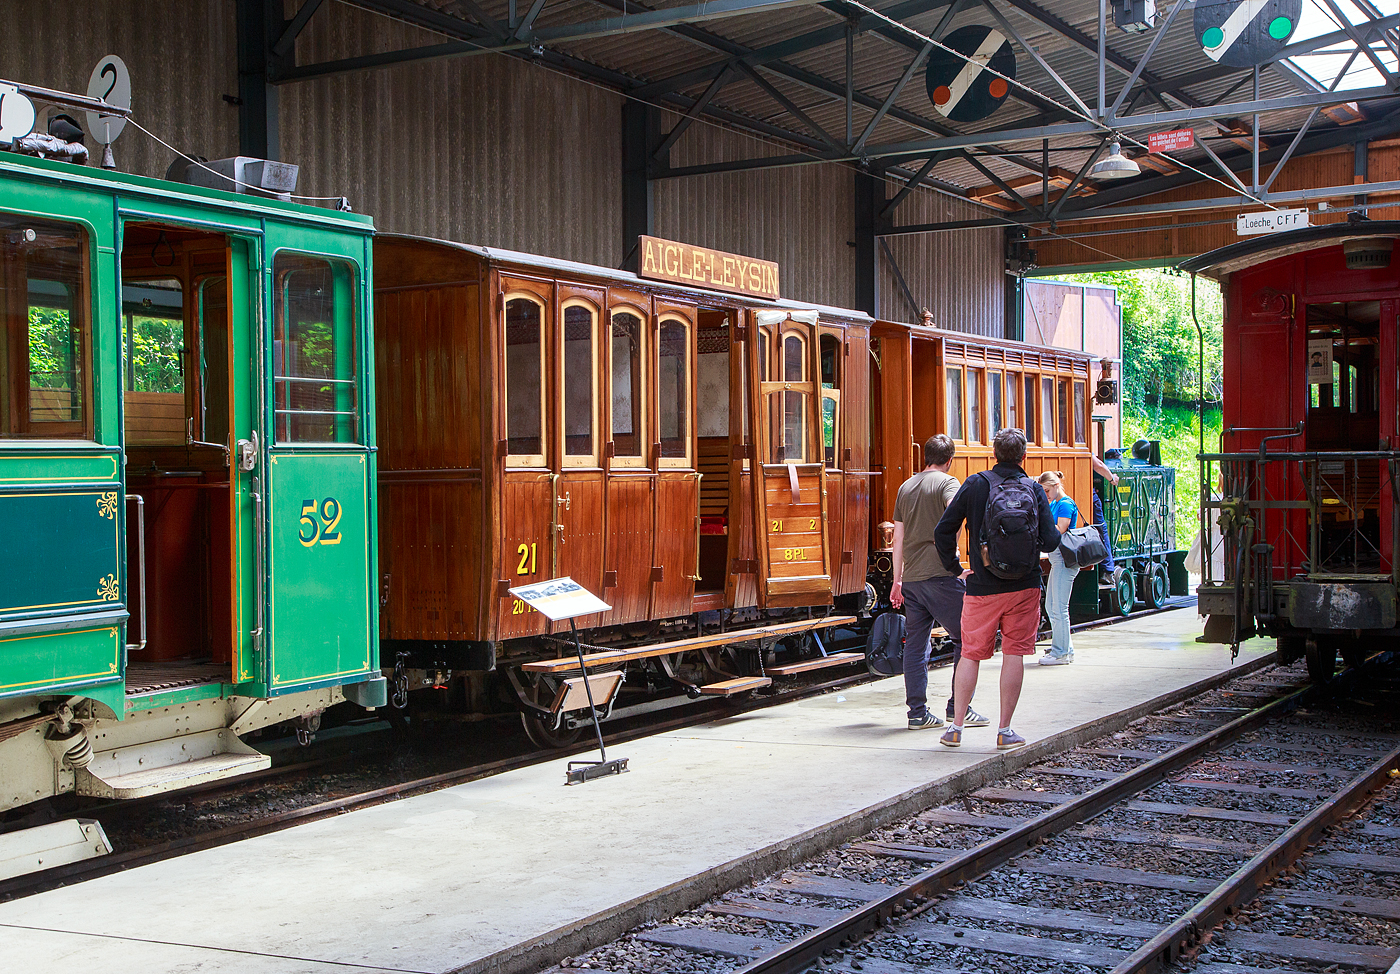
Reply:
x=1265, y=396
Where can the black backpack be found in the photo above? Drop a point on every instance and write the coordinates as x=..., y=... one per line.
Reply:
x=884, y=650
x=1010, y=533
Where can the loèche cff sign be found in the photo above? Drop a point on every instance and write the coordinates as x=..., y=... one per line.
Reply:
x=667, y=260
x=1270, y=221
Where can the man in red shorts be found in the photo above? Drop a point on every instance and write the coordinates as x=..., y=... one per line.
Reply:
x=997, y=598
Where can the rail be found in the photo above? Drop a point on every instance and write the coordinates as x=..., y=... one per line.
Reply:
x=141, y=536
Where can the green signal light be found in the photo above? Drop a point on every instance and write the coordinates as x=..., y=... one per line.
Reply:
x=1280, y=27
x=1213, y=37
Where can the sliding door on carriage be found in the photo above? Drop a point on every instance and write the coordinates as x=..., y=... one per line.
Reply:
x=676, y=548
x=789, y=486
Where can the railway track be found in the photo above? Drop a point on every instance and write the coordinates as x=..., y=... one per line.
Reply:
x=1127, y=854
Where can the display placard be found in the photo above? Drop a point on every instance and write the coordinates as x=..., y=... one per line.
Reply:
x=1270, y=221
x=1320, y=361
x=560, y=598
x=1173, y=141
x=667, y=260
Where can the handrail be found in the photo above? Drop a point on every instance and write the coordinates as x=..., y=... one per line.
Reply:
x=1305, y=456
x=141, y=533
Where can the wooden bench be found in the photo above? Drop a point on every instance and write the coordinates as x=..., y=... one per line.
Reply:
x=566, y=664
x=727, y=688
x=712, y=460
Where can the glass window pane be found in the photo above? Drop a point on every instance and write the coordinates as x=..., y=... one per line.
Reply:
x=153, y=319
x=955, y=404
x=830, y=349
x=578, y=381
x=831, y=360
x=794, y=359
x=763, y=339
x=1079, y=395
x=673, y=388
x=313, y=351
x=524, y=374
x=829, y=431
x=994, y=393
x=790, y=445
x=1047, y=410
x=1029, y=402
x=974, y=405
x=627, y=431
x=1064, y=411
x=44, y=347
x=1013, y=400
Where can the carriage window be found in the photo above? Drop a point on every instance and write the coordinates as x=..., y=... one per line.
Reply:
x=1064, y=411
x=579, y=322
x=1029, y=403
x=792, y=448
x=524, y=378
x=763, y=339
x=673, y=388
x=44, y=344
x=153, y=335
x=955, y=403
x=627, y=391
x=974, y=405
x=794, y=359
x=1079, y=404
x=1013, y=400
x=831, y=396
x=1047, y=410
x=994, y=397
x=313, y=350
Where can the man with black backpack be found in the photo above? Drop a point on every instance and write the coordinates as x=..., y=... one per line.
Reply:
x=1009, y=524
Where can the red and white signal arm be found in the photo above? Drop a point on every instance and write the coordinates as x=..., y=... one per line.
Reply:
x=970, y=87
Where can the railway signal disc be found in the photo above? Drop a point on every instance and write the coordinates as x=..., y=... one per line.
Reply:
x=1243, y=33
x=962, y=88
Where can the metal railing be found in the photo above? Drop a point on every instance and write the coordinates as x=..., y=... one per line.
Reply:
x=1270, y=516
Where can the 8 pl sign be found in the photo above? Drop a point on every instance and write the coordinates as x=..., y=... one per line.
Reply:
x=1243, y=33
x=962, y=88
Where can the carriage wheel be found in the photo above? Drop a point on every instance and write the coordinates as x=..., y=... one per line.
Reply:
x=1354, y=652
x=541, y=735
x=1291, y=649
x=1124, y=590
x=1322, y=658
x=1156, y=585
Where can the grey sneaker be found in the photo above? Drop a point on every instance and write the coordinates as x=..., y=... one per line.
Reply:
x=952, y=737
x=973, y=718
x=1009, y=740
x=927, y=720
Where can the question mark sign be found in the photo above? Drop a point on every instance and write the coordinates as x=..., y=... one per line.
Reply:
x=109, y=69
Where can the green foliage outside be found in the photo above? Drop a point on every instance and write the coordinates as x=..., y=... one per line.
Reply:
x=156, y=345
x=50, y=349
x=1161, y=373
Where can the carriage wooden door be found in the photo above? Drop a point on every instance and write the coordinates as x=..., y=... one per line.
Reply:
x=528, y=427
x=576, y=502
x=676, y=545
x=789, y=481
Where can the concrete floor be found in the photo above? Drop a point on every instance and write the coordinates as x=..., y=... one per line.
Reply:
x=457, y=879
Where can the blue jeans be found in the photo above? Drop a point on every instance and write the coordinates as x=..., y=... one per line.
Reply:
x=1102, y=525
x=933, y=600
x=1057, y=593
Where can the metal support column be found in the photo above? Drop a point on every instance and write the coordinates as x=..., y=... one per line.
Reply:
x=260, y=24
x=870, y=200
x=1014, y=315
x=637, y=214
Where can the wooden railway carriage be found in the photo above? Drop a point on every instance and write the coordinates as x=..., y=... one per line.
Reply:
x=541, y=418
x=1305, y=484
x=186, y=477
x=929, y=381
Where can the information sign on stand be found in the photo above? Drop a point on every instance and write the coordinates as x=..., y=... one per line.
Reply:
x=559, y=599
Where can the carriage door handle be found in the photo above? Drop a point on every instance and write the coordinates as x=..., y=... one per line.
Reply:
x=248, y=452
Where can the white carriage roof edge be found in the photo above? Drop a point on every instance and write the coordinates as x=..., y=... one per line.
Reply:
x=1224, y=261
x=562, y=266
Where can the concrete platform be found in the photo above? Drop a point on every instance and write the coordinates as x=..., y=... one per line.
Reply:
x=460, y=879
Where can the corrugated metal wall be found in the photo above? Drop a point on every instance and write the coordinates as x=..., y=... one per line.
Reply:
x=182, y=57
x=486, y=150
x=958, y=275
x=801, y=217
x=492, y=150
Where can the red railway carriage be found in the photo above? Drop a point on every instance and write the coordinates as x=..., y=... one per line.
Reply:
x=1305, y=483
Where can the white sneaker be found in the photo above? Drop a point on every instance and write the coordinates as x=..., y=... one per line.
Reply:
x=1051, y=660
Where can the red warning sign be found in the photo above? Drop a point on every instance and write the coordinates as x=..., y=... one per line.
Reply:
x=1172, y=141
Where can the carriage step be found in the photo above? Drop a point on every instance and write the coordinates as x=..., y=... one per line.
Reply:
x=728, y=688
x=138, y=770
x=820, y=663
x=777, y=630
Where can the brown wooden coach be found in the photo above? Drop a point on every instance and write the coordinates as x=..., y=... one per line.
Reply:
x=540, y=418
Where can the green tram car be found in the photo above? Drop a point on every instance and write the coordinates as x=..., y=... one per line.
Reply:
x=1140, y=514
x=187, y=477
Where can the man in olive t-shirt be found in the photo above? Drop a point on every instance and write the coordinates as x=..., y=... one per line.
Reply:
x=927, y=590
